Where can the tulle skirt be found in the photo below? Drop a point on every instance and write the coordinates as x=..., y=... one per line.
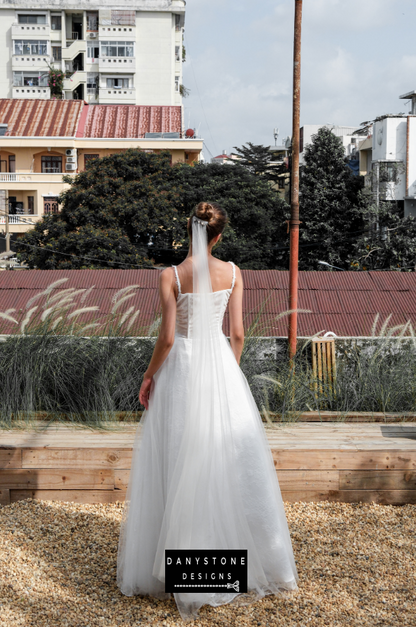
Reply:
x=222, y=494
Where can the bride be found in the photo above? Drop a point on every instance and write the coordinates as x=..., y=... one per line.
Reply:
x=202, y=474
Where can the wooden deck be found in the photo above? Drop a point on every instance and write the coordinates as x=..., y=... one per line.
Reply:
x=369, y=462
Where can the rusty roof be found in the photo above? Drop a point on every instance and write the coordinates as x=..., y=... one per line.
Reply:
x=129, y=121
x=70, y=118
x=40, y=118
x=345, y=303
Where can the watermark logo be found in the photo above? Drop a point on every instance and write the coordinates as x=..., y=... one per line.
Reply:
x=206, y=570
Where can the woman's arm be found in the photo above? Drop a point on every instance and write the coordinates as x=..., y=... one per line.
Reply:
x=236, y=316
x=166, y=336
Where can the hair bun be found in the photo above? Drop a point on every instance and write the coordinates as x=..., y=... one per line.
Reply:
x=205, y=211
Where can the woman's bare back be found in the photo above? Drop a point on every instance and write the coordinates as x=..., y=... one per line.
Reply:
x=221, y=273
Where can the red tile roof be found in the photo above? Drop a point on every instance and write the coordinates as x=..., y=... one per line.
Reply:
x=130, y=121
x=40, y=118
x=345, y=303
x=69, y=118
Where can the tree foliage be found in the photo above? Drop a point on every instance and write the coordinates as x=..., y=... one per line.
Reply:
x=328, y=204
x=109, y=214
x=256, y=213
x=390, y=241
x=131, y=209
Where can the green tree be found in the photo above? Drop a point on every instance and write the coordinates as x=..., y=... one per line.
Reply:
x=109, y=214
x=256, y=213
x=131, y=209
x=389, y=242
x=328, y=204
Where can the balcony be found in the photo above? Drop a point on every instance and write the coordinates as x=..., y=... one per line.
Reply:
x=23, y=62
x=117, y=64
x=32, y=177
x=32, y=92
x=122, y=33
x=31, y=31
x=25, y=218
x=112, y=95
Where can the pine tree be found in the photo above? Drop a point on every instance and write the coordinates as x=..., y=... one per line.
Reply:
x=328, y=200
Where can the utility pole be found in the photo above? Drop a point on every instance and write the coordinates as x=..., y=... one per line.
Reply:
x=294, y=215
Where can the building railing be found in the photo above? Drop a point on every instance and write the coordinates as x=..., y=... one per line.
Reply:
x=20, y=219
x=9, y=177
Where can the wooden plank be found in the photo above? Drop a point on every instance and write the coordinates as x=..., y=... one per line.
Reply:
x=76, y=458
x=377, y=480
x=70, y=496
x=10, y=458
x=121, y=479
x=52, y=478
x=343, y=460
x=308, y=479
x=4, y=497
x=382, y=497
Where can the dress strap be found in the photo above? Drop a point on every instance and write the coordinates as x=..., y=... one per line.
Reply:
x=178, y=283
x=233, y=283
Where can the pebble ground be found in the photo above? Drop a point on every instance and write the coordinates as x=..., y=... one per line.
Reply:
x=356, y=565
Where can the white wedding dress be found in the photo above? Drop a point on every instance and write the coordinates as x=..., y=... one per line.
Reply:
x=203, y=479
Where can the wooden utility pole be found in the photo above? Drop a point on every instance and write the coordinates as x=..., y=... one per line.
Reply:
x=294, y=200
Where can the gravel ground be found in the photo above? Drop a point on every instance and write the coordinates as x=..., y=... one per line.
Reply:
x=356, y=562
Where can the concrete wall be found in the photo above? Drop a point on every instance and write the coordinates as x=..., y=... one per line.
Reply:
x=155, y=57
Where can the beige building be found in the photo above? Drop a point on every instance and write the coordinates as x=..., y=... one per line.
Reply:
x=130, y=53
x=42, y=140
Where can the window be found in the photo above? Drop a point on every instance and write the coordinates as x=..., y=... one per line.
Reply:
x=50, y=204
x=93, y=51
x=176, y=83
x=25, y=46
x=31, y=205
x=51, y=164
x=177, y=22
x=31, y=19
x=123, y=18
x=92, y=81
x=118, y=83
x=177, y=53
x=117, y=49
x=92, y=20
x=56, y=22
x=88, y=158
x=12, y=163
x=57, y=53
x=3, y=129
x=29, y=79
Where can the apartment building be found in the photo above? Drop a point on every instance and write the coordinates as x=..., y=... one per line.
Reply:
x=131, y=54
x=42, y=140
x=388, y=158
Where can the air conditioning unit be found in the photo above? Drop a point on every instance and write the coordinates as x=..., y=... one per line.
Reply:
x=71, y=152
x=71, y=159
x=93, y=35
x=71, y=166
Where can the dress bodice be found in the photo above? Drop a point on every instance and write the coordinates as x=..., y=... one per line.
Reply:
x=184, y=308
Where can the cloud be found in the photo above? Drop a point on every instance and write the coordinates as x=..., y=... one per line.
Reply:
x=356, y=61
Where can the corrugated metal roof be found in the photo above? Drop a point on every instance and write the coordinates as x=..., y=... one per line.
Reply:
x=40, y=118
x=130, y=121
x=69, y=118
x=345, y=303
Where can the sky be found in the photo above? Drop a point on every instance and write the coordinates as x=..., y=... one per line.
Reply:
x=358, y=57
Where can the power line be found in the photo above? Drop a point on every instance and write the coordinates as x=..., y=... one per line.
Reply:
x=58, y=252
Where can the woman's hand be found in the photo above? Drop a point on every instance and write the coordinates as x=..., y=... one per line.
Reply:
x=145, y=390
